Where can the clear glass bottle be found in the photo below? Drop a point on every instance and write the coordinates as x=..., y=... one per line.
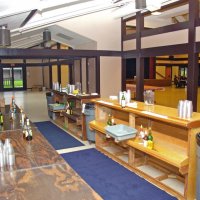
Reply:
x=123, y=101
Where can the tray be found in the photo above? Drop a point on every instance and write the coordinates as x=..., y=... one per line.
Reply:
x=120, y=132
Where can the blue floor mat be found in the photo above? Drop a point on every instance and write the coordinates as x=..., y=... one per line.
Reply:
x=58, y=138
x=111, y=180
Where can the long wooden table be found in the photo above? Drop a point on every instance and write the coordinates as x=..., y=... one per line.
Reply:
x=40, y=173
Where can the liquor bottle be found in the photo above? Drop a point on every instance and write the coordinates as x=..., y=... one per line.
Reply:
x=150, y=140
x=1, y=118
x=150, y=137
x=109, y=121
x=123, y=101
x=29, y=135
x=67, y=108
x=70, y=108
x=145, y=140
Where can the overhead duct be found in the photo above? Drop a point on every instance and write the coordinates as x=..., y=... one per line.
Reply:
x=4, y=36
x=140, y=4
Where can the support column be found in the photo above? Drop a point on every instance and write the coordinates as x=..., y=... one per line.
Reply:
x=98, y=89
x=123, y=61
x=139, y=59
x=193, y=66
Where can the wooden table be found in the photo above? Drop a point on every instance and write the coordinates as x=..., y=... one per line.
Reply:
x=40, y=173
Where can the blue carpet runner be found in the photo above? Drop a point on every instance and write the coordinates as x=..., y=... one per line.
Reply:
x=58, y=138
x=111, y=180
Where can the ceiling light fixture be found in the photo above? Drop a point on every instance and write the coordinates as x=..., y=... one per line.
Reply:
x=46, y=35
x=140, y=4
x=47, y=38
x=4, y=36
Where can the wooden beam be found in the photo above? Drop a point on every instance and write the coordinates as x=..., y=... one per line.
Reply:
x=160, y=30
x=8, y=53
x=193, y=66
x=158, y=51
x=139, y=58
x=31, y=14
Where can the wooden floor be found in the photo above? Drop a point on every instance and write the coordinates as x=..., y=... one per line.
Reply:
x=171, y=95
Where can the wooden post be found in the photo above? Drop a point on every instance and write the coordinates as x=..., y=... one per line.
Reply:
x=139, y=59
x=193, y=66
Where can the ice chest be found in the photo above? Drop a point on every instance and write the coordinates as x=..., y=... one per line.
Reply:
x=120, y=132
x=56, y=106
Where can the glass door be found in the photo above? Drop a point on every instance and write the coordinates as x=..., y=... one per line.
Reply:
x=13, y=78
x=18, y=77
x=7, y=78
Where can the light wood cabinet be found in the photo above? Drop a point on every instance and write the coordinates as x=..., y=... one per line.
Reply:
x=171, y=164
x=76, y=122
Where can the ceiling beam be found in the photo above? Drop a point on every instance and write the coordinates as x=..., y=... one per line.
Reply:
x=31, y=14
x=53, y=53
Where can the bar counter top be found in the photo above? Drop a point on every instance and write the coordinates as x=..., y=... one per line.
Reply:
x=40, y=173
x=31, y=154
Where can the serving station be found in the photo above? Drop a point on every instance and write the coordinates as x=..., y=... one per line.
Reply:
x=75, y=121
x=171, y=161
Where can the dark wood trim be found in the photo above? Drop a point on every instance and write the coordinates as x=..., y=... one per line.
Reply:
x=24, y=74
x=81, y=70
x=123, y=33
x=198, y=22
x=173, y=59
x=123, y=75
x=165, y=29
x=98, y=75
x=139, y=58
x=158, y=51
x=8, y=53
x=160, y=30
x=31, y=14
x=165, y=50
x=193, y=66
x=87, y=75
x=129, y=36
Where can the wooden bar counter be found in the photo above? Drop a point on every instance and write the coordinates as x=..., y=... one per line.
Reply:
x=39, y=173
x=173, y=156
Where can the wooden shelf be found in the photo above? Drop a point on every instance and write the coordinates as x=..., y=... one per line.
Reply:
x=156, y=112
x=98, y=126
x=168, y=155
x=174, y=151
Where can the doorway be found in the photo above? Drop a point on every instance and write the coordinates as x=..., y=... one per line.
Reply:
x=13, y=78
